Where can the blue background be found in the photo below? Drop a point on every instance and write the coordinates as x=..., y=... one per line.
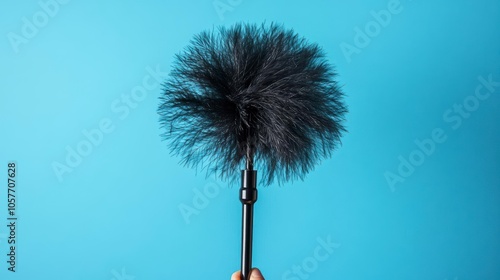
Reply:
x=117, y=214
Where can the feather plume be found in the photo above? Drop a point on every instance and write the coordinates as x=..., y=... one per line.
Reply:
x=249, y=90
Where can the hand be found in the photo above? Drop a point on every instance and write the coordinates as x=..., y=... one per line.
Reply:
x=254, y=275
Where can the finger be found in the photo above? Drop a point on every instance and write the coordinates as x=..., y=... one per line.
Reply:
x=256, y=275
x=236, y=275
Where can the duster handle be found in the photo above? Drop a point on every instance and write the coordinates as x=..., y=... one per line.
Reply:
x=248, y=196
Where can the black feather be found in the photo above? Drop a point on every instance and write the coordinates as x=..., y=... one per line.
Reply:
x=252, y=90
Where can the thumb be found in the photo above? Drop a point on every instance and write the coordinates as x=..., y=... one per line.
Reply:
x=256, y=275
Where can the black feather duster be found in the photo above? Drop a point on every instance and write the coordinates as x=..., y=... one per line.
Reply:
x=260, y=93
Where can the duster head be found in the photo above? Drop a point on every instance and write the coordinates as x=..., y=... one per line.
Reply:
x=256, y=92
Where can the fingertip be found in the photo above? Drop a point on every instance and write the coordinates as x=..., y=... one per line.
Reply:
x=256, y=274
x=236, y=275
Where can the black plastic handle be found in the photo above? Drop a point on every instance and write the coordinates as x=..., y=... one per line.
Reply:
x=248, y=196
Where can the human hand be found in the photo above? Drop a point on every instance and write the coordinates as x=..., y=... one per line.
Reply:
x=254, y=275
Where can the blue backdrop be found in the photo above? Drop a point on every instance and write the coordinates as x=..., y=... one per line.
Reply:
x=413, y=193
